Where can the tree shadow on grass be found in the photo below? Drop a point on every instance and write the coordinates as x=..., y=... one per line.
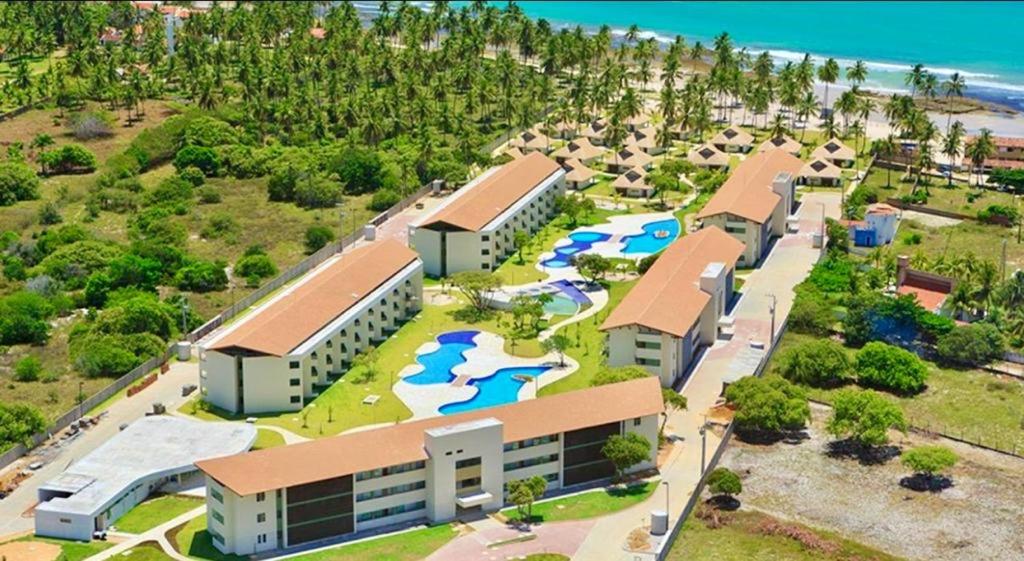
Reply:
x=850, y=449
x=727, y=503
x=922, y=482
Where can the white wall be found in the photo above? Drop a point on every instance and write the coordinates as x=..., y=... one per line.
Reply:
x=217, y=380
x=481, y=439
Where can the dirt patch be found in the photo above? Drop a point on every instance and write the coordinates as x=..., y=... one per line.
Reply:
x=930, y=220
x=29, y=551
x=978, y=518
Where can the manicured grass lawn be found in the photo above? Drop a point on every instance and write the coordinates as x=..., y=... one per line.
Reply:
x=147, y=551
x=407, y=546
x=514, y=272
x=742, y=539
x=589, y=504
x=602, y=188
x=71, y=550
x=156, y=511
x=969, y=403
x=588, y=343
x=267, y=439
x=193, y=540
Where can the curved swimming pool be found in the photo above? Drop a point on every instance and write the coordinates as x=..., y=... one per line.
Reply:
x=649, y=242
x=499, y=388
x=438, y=364
x=579, y=242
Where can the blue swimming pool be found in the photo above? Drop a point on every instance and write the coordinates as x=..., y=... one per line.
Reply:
x=561, y=306
x=437, y=365
x=649, y=242
x=580, y=241
x=499, y=388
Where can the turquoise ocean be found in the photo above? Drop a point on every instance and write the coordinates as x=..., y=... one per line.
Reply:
x=984, y=41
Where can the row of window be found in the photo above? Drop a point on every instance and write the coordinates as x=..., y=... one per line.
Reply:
x=468, y=482
x=509, y=466
x=390, y=470
x=549, y=477
x=648, y=345
x=388, y=491
x=648, y=361
x=468, y=462
x=392, y=511
x=530, y=442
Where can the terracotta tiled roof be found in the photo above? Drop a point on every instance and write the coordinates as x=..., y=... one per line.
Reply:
x=327, y=294
x=494, y=194
x=668, y=297
x=1007, y=141
x=748, y=191
x=316, y=460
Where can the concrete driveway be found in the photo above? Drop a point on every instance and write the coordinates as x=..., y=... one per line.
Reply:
x=15, y=515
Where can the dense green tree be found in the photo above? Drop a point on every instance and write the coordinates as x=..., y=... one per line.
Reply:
x=820, y=363
x=626, y=451
x=888, y=367
x=971, y=345
x=768, y=404
x=865, y=416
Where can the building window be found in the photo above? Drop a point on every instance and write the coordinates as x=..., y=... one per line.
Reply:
x=648, y=361
x=485, y=252
x=530, y=442
x=296, y=399
x=637, y=421
x=648, y=345
x=390, y=470
x=261, y=518
x=736, y=229
x=293, y=364
x=485, y=265
x=216, y=495
x=217, y=516
x=529, y=462
x=260, y=497
x=470, y=482
x=485, y=238
x=388, y=491
x=262, y=538
x=330, y=344
x=217, y=537
x=469, y=462
x=294, y=382
x=65, y=521
x=385, y=512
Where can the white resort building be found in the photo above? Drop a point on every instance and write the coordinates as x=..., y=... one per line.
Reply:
x=473, y=228
x=676, y=306
x=430, y=470
x=755, y=202
x=278, y=357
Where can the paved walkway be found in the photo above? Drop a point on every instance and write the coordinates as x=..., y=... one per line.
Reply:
x=485, y=544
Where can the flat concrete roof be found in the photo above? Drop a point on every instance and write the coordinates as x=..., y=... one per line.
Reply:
x=156, y=446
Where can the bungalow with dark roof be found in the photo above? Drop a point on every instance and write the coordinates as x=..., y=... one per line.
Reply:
x=821, y=172
x=709, y=157
x=628, y=158
x=733, y=139
x=836, y=152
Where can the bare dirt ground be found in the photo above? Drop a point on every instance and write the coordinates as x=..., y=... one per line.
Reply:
x=979, y=518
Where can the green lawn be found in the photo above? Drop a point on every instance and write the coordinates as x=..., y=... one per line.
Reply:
x=514, y=272
x=985, y=241
x=743, y=538
x=340, y=407
x=588, y=505
x=973, y=404
x=147, y=551
x=588, y=343
x=267, y=439
x=193, y=540
x=71, y=550
x=959, y=198
x=156, y=511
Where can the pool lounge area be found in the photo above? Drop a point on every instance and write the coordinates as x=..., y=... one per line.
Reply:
x=467, y=370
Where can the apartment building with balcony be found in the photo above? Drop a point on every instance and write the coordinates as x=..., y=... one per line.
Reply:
x=755, y=202
x=676, y=306
x=281, y=355
x=431, y=470
x=474, y=228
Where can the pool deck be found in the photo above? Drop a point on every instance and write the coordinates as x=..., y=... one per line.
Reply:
x=617, y=227
x=425, y=400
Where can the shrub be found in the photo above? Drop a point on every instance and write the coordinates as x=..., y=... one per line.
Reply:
x=193, y=175
x=929, y=460
x=49, y=214
x=646, y=263
x=242, y=161
x=169, y=191
x=259, y=266
x=359, y=170
x=838, y=236
x=317, y=192
x=157, y=145
x=865, y=416
x=383, y=200
x=98, y=354
x=220, y=225
x=24, y=318
x=87, y=125
x=208, y=195
x=14, y=268
x=281, y=186
x=821, y=363
x=912, y=238
x=199, y=157
x=811, y=314
x=723, y=481
x=317, y=237
x=17, y=183
x=73, y=262
x=769, y=404
x=28, y=369
x=201, y=276
x=18, y=422
x=892, y=368
x=208, y=132
x=971, y=345
x=999, y=214
x=70, y=158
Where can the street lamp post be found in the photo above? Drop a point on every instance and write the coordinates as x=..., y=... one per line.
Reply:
x=668, y=494
x=80, y=398
x=703, y=445
x=771, y=334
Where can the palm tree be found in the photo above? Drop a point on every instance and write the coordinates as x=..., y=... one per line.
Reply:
x=885, y=148
x=952, y=146
x=979, y=150
x=857, y=73
x=914, y=78
x=953, y=87
x=828, y=73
